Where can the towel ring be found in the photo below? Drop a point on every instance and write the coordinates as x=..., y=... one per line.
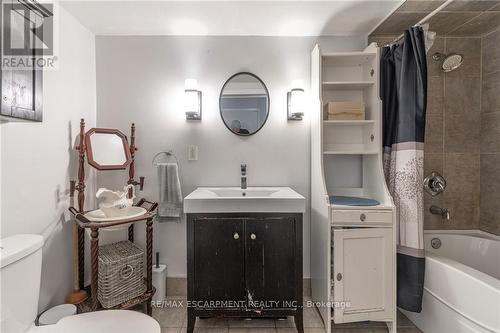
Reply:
x=168, y=154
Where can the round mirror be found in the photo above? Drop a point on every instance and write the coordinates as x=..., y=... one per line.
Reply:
x=244, y=103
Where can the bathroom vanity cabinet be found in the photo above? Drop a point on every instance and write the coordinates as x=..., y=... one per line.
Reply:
x=244, y=265
x=353, y=248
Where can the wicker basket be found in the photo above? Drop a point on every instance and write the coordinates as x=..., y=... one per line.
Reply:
x=121, y=273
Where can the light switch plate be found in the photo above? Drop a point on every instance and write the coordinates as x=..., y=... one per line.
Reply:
x=192, y=153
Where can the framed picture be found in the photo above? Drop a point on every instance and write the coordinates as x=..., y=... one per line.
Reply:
x=22, y=89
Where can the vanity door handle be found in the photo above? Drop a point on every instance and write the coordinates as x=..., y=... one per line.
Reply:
x=339, y=276
x=362, y=217
x=249, y=296
x=236, y=236
x=253, y=236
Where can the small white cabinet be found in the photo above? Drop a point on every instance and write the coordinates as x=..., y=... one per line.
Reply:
x=363, y=274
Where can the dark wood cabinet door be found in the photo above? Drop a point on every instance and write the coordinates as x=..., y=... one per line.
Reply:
x=270, y=262
x=219, y=269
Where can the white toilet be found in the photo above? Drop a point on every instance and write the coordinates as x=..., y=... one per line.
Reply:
x=20, y=271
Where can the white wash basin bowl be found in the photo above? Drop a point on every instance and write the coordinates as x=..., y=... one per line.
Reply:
x=250, y=200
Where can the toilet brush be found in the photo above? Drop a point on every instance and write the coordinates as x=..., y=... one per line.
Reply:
x=159, y=280
x=77, y=296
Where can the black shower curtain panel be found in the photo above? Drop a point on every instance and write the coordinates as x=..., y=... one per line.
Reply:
x=404, y=98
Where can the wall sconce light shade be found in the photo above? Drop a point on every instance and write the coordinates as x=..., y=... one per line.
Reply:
x=192, y=100
x=296, y=101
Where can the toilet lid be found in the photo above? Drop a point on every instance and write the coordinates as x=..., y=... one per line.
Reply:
x=108, y=321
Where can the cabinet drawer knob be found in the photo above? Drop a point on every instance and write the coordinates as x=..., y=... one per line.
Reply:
x=252, y=236
x=236, y=236
x=339, y=276
x=362, y=217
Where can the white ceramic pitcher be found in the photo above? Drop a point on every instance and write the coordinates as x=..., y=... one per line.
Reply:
x=115, y=203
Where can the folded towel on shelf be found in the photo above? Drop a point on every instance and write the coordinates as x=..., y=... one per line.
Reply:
x=353, y=201
x=170, y=200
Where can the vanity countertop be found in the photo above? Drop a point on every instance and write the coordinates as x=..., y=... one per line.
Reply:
x=250, y=200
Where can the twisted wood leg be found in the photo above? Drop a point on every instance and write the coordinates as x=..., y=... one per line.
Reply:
x=81, y=258
x=131, y=233
x=94, y=254
x=149, y=263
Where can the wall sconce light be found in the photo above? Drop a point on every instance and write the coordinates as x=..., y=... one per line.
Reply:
x=295, y=101
x=192, y=100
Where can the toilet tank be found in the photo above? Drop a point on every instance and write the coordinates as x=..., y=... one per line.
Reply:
x=20, y=271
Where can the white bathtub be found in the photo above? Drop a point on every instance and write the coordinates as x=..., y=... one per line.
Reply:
x=462, y=283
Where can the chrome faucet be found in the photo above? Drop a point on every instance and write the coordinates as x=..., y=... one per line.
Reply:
x=243, y=183
x=444, y=212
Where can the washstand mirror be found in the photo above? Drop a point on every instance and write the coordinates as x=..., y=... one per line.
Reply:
x=244, y=103
x=107, y=149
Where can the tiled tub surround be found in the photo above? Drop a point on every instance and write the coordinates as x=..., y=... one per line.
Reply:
x=490, y=135
x=453, y=132
x=463, y=112
x=463, y=132
x=452, y=141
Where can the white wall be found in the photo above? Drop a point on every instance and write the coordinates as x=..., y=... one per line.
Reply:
x=141, y=80
x=37, y=160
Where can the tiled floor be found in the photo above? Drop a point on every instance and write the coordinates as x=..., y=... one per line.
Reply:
x=172, y=319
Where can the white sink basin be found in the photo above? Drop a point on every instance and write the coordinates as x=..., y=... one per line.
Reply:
x=250, y=200
x=253, y=192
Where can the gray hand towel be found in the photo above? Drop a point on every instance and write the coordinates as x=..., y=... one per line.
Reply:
x=170, y=203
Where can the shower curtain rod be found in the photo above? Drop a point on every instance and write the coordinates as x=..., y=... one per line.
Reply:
x=422, y=21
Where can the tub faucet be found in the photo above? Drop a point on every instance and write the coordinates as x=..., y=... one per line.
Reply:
x=444, y=212
x=243, y=183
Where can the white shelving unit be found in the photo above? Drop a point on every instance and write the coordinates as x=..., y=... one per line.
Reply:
x=353, y=248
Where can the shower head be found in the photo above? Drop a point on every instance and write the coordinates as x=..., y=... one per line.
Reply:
x=450, y=62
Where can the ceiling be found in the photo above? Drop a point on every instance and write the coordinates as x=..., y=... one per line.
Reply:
x=458, y=18
x=231, y=18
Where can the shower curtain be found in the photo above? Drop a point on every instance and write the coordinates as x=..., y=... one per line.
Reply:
x=404, y=98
